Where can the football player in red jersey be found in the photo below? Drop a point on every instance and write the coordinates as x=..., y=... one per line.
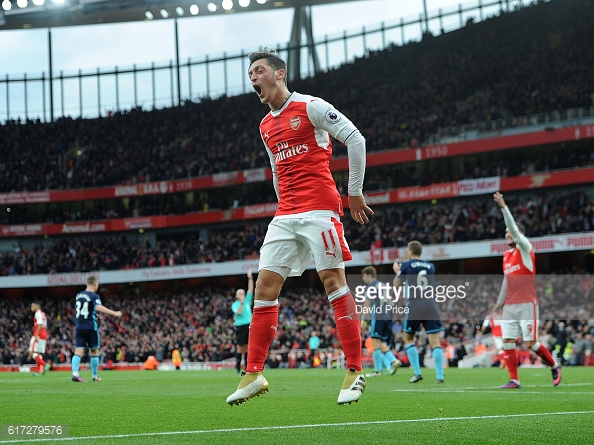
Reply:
x=39, y=339
x=517, y=302
x=296, y=133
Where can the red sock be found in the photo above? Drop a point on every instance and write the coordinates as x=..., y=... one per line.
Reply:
x=349, y=330
x=262, y=332
x=40, y=363
x=511, y=362
x=546, y=356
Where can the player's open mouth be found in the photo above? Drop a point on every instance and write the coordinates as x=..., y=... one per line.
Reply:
x=258, y=89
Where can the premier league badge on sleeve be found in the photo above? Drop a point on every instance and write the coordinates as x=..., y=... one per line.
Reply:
x=332, y=116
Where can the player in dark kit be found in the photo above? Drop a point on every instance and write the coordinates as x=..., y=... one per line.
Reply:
x=380, y=326
x=417, y=275
x=88, y=303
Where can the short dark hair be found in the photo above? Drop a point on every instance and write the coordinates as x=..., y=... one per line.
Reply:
x=369, y=270
x=416, y=247
x=271, y=57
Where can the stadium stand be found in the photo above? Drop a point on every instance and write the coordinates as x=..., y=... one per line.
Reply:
x=474, y=75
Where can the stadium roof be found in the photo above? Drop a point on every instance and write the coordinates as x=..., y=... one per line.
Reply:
x=26, y=14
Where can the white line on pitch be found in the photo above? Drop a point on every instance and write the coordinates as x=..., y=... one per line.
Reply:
x=497, y=390
x=283, y=427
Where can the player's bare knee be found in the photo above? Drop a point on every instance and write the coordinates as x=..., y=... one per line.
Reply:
x=332, y=279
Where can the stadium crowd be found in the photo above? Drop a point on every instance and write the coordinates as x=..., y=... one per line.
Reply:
x=200, y=322
x=451, y=221
x=499, y=68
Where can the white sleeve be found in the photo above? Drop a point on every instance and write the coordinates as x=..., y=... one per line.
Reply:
x=521, y=241
x=325, y=117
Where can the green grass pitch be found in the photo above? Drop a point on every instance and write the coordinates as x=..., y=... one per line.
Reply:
x=188, y=407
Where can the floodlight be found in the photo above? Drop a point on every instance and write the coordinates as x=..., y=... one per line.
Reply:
x=194, y=9
x=227, y=5
x=164, y=13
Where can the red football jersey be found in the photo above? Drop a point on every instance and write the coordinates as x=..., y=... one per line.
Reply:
x=298, y=140
x=519, y=278
x=40, y=320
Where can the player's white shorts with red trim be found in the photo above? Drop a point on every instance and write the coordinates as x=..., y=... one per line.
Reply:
x=291, y=241
x=520, y=319
x=37, y=346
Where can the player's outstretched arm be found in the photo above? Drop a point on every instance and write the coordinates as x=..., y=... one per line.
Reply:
x=105, y=310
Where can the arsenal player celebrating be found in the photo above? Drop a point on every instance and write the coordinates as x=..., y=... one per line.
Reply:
x=517, y=300
x=296, y=133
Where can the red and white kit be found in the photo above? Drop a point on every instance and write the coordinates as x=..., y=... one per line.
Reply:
x=307, y=221
x=39, y=322
x=520, y=312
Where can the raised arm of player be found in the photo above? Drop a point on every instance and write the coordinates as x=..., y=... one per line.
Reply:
x=519, y=238
x=250, y=288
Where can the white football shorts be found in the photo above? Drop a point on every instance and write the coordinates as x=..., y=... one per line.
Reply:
x=37, y=346
x=291, y=241
x=520, y=319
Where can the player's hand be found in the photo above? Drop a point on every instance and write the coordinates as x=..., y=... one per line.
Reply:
x=499, y=199
x=359, y=209
x=249, y=274
x=118, y=314
x=396, y=267
x=497, y=309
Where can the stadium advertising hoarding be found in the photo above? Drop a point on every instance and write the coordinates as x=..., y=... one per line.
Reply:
x=436, y=252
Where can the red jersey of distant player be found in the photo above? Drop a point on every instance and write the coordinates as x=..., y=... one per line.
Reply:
x=520, y=280
x=297, y=136
x=40, y=320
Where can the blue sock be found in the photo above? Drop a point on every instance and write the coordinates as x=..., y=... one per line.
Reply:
x=377, y=360
x=413, y=357
x=75, y=364
x=438, y=359
x=95, y=366
x=388, y=359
